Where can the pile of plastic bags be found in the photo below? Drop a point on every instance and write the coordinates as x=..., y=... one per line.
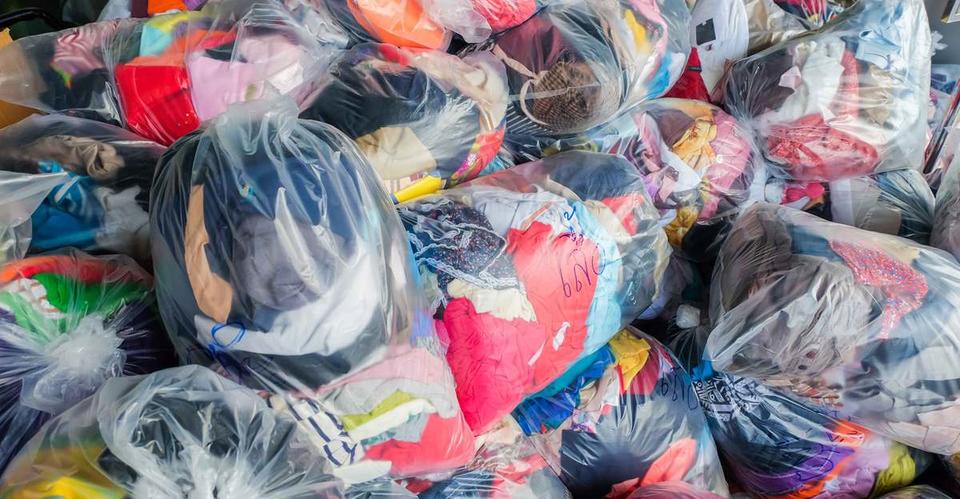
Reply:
x=484, y=249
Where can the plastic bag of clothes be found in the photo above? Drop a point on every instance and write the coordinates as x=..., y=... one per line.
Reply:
x=420, y=117
x=404, y=23
x=945, y=233
x=700, y=166
x=69, y=322
x=898, y=202
x=99, y=202
x=476, y=20
x=20, y=196
x=161, y=77
x=535, y=267
x=182, y=432
x=916, y=492
x=279, y=257
x=725, y=31
x=577, y=63
x=623, y=417
x=845, y=101
x=860, y=323
x=506, y=466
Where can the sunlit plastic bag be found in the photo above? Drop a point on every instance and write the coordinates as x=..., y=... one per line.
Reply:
x=420, y=117
x=848, y=100
x=163, y=76
x=897, y=202
x=623, y=418
x=860, y=323
x=183, y=432
x=99, y=180
x=279, y=257
x=701, y=167
x=577, y=63
x=69, y=322
x=534, y=268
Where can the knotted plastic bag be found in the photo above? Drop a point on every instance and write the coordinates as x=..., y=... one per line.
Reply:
x=182, y=432
x=281, y=260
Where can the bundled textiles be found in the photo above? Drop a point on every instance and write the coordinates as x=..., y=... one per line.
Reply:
x=175, y=433
x=97, y=177
x=68, y=323
x=845, y=101
x=533, y=269
x=848, y=320
x=163, y=76
x=280, y=260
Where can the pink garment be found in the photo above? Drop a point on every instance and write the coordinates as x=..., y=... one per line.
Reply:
x=491, y=361
x=903, y=286
x=445, y=444
x=733, y=156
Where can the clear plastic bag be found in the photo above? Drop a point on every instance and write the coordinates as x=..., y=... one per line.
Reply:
x=898, y=202
x=621, y=418
x=403, y=23
x=506, y=466
x=182, y=432
x=701, y=167
x=945, y=233
x=856, y=322
x=69, y=322
x=845, y=101
x=20, y=196
x=162, y=77
x=424, y=119
x=477, y=20
x=98, y=180
x=280, y=258
x=916, y=492
x=577, y=63
x=534, y=268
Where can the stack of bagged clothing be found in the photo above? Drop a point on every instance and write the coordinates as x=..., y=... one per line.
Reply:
x=575, y=64
x=69, y=322
x=420, y=117
x=862, y=324
x=182, y=432
x=845, y=101
x=534, y=268
x=99, y=200
x=898, y=202
x=700, y=166
x=624, y=417
x=163, y=76
x=281, y=261
x=506, y=466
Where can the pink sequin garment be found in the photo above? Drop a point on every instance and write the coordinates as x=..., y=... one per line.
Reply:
x=903, y=285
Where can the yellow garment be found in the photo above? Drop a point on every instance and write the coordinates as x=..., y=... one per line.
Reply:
x=640, y=38
x=677, y=228
x=631, y=353
x=214, y=295
x=423, y=187
x=694, y=146
x=900, y=473
x=394, y=400
x=62, y=473
x=167, y=23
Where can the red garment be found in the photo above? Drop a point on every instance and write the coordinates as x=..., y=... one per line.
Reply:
x=444, y=445
x=813, y=150
x=847, y=101
x=490, y=360
x=84, y=269
x=559, y=273
x=156, y=101
x=505, y=14
x=691, y=85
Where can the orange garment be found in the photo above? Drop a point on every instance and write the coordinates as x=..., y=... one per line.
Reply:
x=399, y=22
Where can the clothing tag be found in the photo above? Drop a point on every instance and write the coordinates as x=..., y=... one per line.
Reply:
x=706, y=32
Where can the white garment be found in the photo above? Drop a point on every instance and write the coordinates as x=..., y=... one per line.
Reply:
x=731, y=40
x=815, y=81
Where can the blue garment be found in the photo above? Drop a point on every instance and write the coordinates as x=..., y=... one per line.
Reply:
x=70, y=215
x=604, y=319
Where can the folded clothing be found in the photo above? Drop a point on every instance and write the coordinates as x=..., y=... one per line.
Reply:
x=846, y=101
x=700, y=166
x=533, y=268
x=281, y=260
x=576, y=63
x=174, y=433
x=897, y=202
x=68, y=323
x=857, y=322
x=623, y=418
x=99, y=204
x=417, y=114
